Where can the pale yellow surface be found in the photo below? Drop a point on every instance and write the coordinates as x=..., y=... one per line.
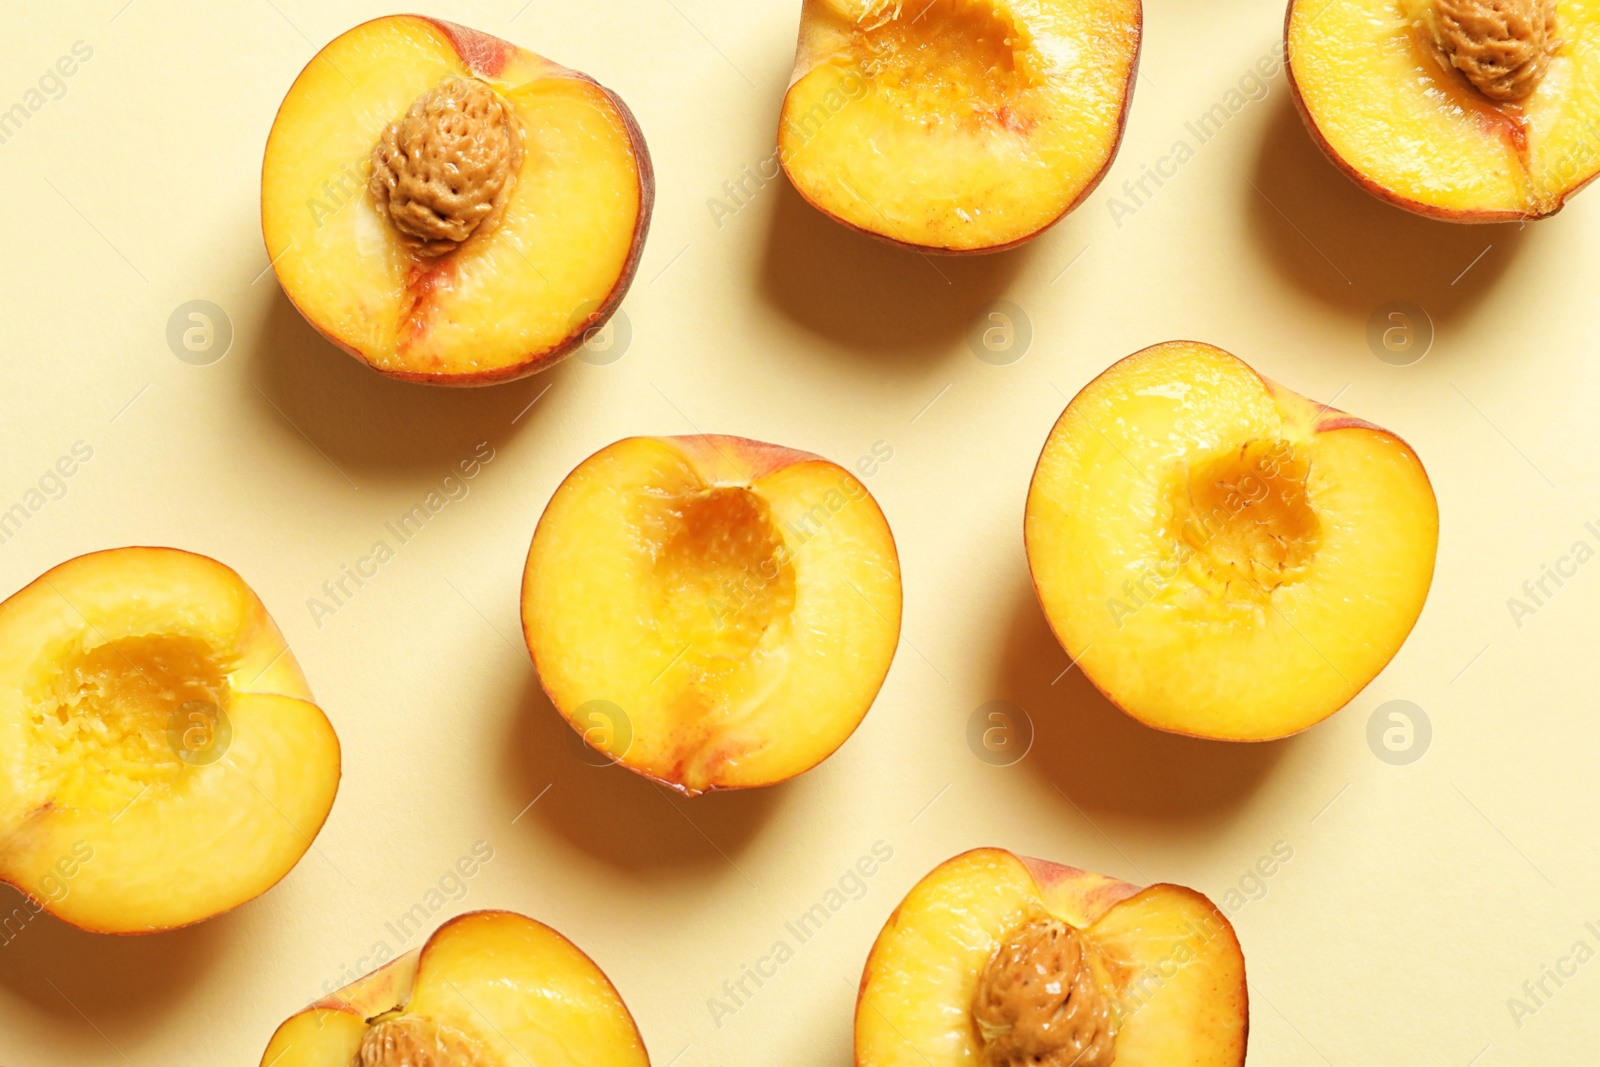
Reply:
x=1419, y=898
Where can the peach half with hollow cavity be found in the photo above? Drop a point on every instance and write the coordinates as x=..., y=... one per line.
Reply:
x=160, y=733
x=1462, y=110
x=1223, y=557
x=1001, y=960
x=957, y=125
x=712, y=612
x=488, y=989
x=449, y=208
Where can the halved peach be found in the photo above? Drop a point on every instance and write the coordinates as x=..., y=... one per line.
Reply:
x=1003, y=960
x=489, y=989
x=1465, y=110
x=450, y=208
x=164, y=760
x=712, y=612
x=1221, y=556
x=957, y=125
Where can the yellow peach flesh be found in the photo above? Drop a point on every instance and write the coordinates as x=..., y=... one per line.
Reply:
x=738, y=604
x=513, y=989
x=960, y=125
x=1221, y=556
x=114, y=660
x=515, y=295
x=1166, y=958
x=1369, y=80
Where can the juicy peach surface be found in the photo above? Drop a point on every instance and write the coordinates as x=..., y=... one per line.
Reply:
x=1414, y=130
x=957, y=125
x=164, y=760
x=521, y=291
x=1221, y=556
x=712, y=612
x=1167, y=960
x=489, y=989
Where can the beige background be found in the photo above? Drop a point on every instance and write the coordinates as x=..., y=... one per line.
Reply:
x=1419, y=898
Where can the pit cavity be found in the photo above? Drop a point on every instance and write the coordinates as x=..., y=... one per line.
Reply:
x=945, y=58
x=1245, y=519
x=101, y=717
x=723, y=577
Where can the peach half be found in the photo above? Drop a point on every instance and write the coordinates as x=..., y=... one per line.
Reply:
x=1223, y=557
x=164, y=761
x=957, y=125
x=1464, y=110
x=712, y=612
x=449, y=208
x=1005, y=961
x=489, y=989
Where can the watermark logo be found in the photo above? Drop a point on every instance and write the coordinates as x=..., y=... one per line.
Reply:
x=1000, y=333
x=199, y=732
x=199, y=332
x=1399, y=732
x=1400, y=333
x=603, y=343
x=1000, y=733
x=603, y=733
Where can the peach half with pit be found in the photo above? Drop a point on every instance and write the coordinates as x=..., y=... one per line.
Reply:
x=1223, y=557
x=160, y=736
x=1001, y=960
x=1463, y=110
x=712, y=612
x=449, y=208
x=488, y=989
x=957, y=125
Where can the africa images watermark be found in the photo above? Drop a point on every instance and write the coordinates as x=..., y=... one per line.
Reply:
x=851, y=885
x=342, y=188
x=51, y=85
x=56, y=885
x=798, y=531
x=741, y=190
x=1199, y=932
x=1198, y=530
x=1251, y=88
x=341, y=589
x=50, y=487
x=1537, y=992
x=1552, y=578
x=416, y=921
